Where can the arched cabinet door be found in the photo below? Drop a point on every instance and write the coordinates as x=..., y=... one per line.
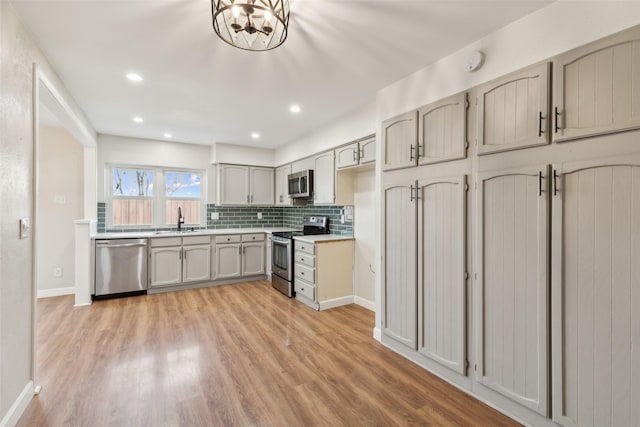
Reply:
x=399, y=303
x=512, y=313
x=442, y=130
x=400, y=141
x=513, y=111
x=442, y=271
x=596, y=292
x=597, y=87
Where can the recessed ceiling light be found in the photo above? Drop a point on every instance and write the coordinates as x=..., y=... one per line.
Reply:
x=295, y=109
x=167, y=135
x=138, y=119
x=134, y=77
x=255, y=135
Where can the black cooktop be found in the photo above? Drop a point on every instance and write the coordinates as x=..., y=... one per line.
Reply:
x=288, y=234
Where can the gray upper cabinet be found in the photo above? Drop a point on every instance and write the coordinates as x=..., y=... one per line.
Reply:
x=245, y=185
x=442, y=130
x=347, y=156
x=357, y=153
x=324, y=179
x=282, y=185
x=262, y=186
x=512, y=295
x=597, y=87
x=513, y=111
x=400, y=141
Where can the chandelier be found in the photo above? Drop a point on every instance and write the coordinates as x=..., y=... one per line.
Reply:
x=251, y=24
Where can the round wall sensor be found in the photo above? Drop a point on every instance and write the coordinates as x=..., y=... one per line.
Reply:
x=474, y=61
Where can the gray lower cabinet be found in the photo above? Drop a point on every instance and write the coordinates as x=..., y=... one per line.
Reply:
x=512, y=311
x=177, y=260
x=424, y=247
x=596, y=292
x=240, y=255
x=165, y=265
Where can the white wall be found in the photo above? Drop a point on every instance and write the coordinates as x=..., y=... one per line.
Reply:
x=241, y=155
x=18, y=53
x=359, y=123
x=364, y=231
x=60, y=171
x=146, y=152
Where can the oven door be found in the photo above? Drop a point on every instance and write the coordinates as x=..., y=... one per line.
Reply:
x=281, y=258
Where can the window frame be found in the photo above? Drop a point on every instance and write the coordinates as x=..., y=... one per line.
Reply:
x=158, y=198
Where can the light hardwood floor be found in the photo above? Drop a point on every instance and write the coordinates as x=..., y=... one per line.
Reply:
x=234, y=355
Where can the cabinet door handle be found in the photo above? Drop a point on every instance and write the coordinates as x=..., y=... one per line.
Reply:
x=540, y=190
x=247, y=198
x=555, y=182
x=557, y=113
x=252, y=198
x=301, y=259
x=540, y=119
x=411, y=151
x=420, y=150
x=355, y=155
x=239, y=250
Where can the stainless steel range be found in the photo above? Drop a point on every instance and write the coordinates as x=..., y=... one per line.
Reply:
x=282, y=252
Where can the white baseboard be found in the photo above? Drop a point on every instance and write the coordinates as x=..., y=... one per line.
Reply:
x=377, y=334
x=336, y=302
x=369, y=305
x=46, y=293
x=15, y=411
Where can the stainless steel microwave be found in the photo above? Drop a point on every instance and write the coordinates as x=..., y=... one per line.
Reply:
x=301, y=184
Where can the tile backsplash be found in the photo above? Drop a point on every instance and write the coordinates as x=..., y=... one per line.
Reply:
x=247, y=217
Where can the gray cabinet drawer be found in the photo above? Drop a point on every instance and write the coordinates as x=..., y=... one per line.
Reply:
x=306, y=259
x=255, y=237
x=306, y=273
x=305, y=289
x=309, y=248
x=235, y=238
x=166, y=241
x=196, y=240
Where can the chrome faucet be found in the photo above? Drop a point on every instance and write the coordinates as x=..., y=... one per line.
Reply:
x=180, y=219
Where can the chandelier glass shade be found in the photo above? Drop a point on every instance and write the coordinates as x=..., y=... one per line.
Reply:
x=251, y=24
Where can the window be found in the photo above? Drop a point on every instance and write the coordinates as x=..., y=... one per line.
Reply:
x=182, y=190
x=144, y=197
x=132, y=193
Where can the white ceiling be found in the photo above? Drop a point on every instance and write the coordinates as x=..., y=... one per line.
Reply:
x=201, y=90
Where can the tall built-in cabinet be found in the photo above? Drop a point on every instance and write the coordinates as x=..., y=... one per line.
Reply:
x=553, y=295
x=512, y=314
x=596, y=292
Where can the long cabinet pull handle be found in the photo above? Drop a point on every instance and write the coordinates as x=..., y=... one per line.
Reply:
x=557, y=114
x=540, y=119
x=555, y=182
x=540, y=190
x=355, y=155
x=411, y=151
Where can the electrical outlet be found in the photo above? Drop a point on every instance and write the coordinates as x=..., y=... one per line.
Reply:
x=57, y=272
x=259, y=215
x=25, y=228
x=215, y=216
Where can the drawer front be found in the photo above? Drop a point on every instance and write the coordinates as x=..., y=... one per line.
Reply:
x=257, y=237
x=166, y=241
x=196, y=240
x=309, y=248
x=306, y=259
x=306, y=289
x=305, y=273
x=235, y=238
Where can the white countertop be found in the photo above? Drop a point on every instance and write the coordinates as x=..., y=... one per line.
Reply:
x=211, y=232
x=322, y=238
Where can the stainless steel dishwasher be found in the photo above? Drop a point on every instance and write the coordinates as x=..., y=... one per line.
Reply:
x=121, y=267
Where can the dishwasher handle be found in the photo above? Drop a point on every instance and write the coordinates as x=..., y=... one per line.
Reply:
x=118, y=245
